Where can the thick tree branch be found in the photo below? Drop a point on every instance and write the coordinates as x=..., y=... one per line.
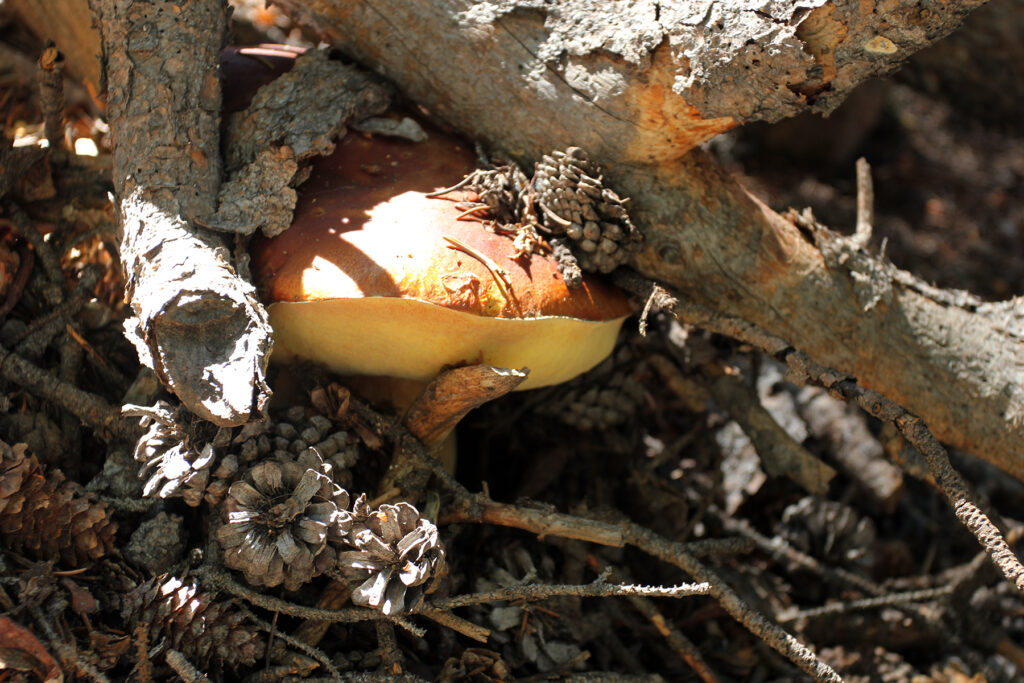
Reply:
x=629, y=81
x=534, y=79
x=196, y=322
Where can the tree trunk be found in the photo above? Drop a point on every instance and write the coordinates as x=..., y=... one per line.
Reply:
x=639, y=85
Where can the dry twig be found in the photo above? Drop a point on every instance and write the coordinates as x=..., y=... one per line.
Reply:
x=51, y=98
x=184, y=668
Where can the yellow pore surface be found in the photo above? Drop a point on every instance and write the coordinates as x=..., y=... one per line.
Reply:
x=416, y=340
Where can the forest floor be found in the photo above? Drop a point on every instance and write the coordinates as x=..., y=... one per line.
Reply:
x=949, y=208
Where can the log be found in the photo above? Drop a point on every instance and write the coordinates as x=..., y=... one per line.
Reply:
x=639, y=85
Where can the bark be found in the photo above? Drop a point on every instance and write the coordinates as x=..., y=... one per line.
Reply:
x=196, y=322
x=639, y=86
x=630, y=81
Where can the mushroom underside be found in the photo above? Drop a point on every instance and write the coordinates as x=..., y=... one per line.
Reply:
x=416, y=340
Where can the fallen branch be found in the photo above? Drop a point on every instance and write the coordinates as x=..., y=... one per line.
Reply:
x=196, y=323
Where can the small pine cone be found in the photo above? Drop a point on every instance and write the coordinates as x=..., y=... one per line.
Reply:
x=278, y=519
x=400, y=551
x=180, y=616
x=605, y=397
x=177, y=451
x=573, y=201
x=502, y=189
x=45, y=517
x=830, y=530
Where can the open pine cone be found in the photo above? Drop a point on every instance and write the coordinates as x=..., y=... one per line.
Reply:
x=399, y=550
x=178, y=451
x=278, y=519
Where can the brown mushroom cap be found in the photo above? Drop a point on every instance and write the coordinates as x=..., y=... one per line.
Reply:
x=376, y=278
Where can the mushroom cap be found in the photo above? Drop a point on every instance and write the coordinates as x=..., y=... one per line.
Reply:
x=376, y=278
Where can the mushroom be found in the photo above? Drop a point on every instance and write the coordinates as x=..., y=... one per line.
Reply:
x=376, y=278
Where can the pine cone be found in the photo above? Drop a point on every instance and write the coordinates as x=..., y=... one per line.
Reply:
x=180, y=616
x=178, y=451
x=573, y=201
x=399, y=550
x=829, y=529
x=503, y=190
x=278, y=519
x=46, y=517
x=603, y=398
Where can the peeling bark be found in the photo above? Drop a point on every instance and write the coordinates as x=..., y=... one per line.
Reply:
x=196, y=322
x=529, y=77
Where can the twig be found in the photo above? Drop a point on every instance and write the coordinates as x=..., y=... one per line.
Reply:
x=334, y=595
x=692, y=393
x=865, y=205
x=89, y=408
x=868, y=603
x=780, y=454
x=305, y=648
x=478, y=509
x=391, y=656
x=23, y=226
x=51, y=98
x=184, y=668
x=652, y=544
x=42, y=330
x=104, y=368
x=457, y=624
x=913, y=429
x=712, y=547
x=682, y=645
x=26, y=259
x=781, y=550
x=220, y=579
x=66, y=652
x=539, y=521
x=534, y=592
x=129, y=505
x=771, y=633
